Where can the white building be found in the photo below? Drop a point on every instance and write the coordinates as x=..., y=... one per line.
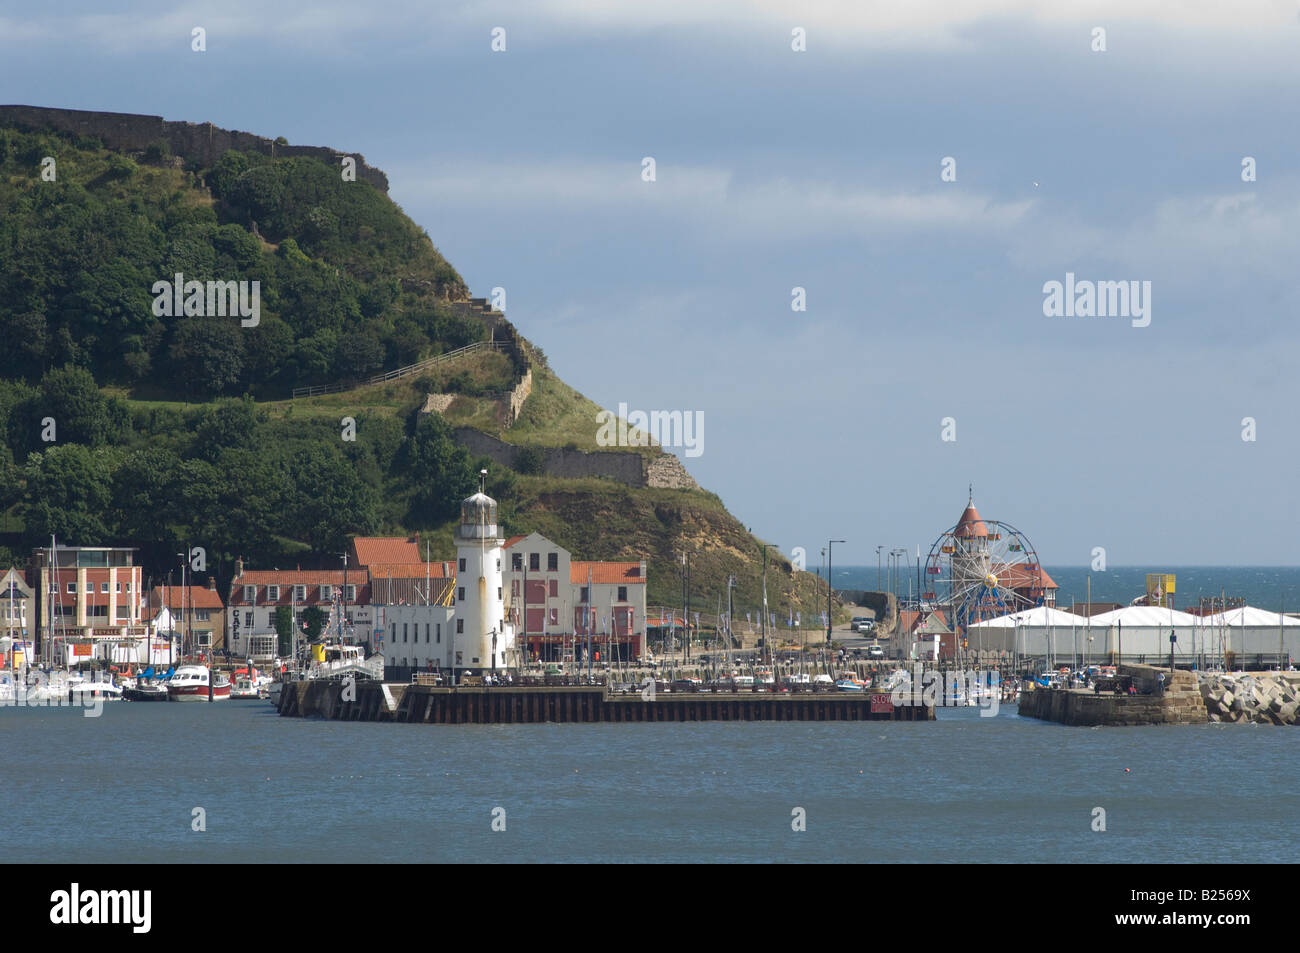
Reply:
x=419, y=637
x=560, y=605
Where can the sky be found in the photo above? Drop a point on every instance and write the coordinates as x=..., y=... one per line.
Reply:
x=924, y=362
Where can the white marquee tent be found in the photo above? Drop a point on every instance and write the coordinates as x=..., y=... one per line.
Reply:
x=1251, y=632
x=1041, y=631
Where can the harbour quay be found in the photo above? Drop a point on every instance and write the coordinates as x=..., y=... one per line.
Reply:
x=362, y=700
x=1179, y=702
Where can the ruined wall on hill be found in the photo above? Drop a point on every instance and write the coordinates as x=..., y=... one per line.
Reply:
x=202, y=142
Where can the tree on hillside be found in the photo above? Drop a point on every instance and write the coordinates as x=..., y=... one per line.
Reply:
x=81, y=413
x=440, y=470
x=206, y=354
x=226, y=424
x=141, y=493
x=329, y=500
x=68, y=493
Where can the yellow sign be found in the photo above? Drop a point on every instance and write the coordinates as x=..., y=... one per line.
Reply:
x=1160, y=589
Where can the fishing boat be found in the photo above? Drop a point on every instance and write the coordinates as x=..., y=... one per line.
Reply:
x=848, y=682
x=190, y=684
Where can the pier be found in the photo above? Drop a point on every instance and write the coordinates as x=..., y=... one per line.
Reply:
x=1179, y=704
x=505, y=705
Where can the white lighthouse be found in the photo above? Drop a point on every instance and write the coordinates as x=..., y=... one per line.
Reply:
x=484, y=640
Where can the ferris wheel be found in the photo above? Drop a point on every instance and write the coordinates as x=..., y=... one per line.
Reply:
x=981, y=569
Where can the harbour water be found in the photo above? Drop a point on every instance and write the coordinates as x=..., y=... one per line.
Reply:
x=124, y=786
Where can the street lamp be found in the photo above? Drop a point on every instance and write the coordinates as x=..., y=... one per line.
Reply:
x=878, y=549
x=830, y=586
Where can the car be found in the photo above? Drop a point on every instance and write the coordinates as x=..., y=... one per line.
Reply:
x=875, y=651
x=856, y=624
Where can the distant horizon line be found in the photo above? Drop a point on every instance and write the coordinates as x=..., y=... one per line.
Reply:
x=1114, y=568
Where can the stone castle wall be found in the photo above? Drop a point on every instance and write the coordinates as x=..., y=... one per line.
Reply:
x=202, y=142
x=627, y=468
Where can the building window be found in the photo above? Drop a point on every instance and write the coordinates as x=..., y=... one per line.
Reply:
x=585, y=595
x=250, y=593
x=394, y=639
x=326, y=591
x=273, y=593
x=205, y=639
x=552, y=562
x=439, y=633
x=460, y=594
x=622, y=593
x=460, y=626
x=517, y=561
x=299, y=593
x=103, y=587
x=499, y=596
x=498, y=564
x=202, y=615
x=72, y=588
x=460, y=565
x=128, y=587
x=426, y=633
x=534, y=561
x=248, y=620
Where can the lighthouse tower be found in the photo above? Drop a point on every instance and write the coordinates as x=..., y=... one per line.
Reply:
x=484, y=640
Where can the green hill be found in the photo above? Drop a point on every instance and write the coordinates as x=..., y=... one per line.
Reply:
x=128, y=420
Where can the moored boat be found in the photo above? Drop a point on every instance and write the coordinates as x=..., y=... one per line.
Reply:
x=190, y=684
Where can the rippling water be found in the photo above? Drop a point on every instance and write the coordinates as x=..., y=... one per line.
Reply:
x=122, y=787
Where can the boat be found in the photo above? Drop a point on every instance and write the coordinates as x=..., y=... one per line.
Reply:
x=8, y=693
x=145, y=690
x=245, y=687
x=81, y=687
x=848, y=685
x=190, y=684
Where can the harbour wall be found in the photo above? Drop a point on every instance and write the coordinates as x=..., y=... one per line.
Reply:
x=1180, y=704
x=422, y=704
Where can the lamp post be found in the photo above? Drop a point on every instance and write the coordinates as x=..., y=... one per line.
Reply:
x=878, y=550
x=830, y=587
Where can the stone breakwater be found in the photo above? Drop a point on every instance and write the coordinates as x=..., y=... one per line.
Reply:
x=1180, y=702
x=1263, y=698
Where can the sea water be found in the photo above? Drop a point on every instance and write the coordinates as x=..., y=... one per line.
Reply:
x=137, y=783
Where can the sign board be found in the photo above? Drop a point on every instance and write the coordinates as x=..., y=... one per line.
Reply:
x=1160, y=588
x=881, y=703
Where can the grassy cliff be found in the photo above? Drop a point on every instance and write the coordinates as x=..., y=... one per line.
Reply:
x=173, y=429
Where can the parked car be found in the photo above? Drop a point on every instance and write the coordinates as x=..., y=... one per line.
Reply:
x=875, y=651
x=856, y=624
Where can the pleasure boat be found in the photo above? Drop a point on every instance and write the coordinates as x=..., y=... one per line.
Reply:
x=82, y=687
x=245, y=687
x=145, y=690
x=190, y=684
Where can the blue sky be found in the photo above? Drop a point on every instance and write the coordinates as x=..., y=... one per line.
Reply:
x=821, y=169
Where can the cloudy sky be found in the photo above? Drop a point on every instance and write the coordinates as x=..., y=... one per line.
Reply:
x=821, y=169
